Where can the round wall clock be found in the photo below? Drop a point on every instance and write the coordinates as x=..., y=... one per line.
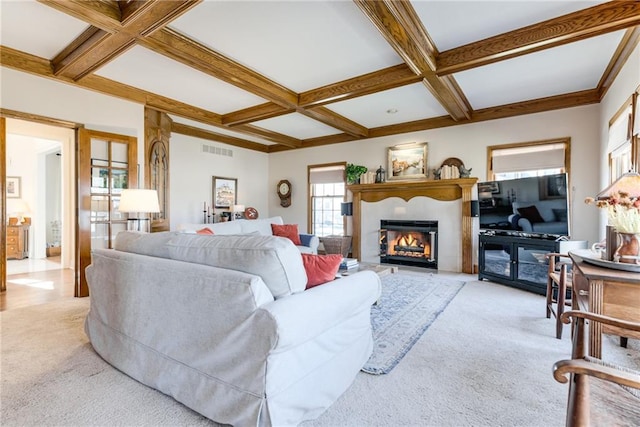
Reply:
x=251, y=213
x=284, y=192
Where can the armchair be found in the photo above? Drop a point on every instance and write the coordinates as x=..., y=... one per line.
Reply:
x=600, y=392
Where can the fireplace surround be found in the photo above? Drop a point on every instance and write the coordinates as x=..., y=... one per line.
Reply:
x=441, y=190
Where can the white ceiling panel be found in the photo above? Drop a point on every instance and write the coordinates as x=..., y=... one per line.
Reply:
x=158, y=74
x=563, y=69
x=32, y=27
x=456, y=23
x=301, y=45
x=404, y=104
x=297, y=126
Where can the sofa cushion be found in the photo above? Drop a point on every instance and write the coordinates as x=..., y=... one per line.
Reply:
x=320, y=268
x=263, y=226
x=277, y=261
x=205, y=230
x=290, y=231
x=151, y=244
x=531, y=213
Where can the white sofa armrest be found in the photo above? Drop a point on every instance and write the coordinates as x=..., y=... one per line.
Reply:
x=322, y=307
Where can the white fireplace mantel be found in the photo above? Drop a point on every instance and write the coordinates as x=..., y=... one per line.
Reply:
x=444, y=190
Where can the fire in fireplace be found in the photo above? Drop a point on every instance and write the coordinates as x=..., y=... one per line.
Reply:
x=409, y=242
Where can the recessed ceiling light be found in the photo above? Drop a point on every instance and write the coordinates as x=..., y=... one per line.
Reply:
x=392, y=110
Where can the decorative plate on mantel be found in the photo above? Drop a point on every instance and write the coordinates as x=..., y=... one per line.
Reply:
x=452, y=161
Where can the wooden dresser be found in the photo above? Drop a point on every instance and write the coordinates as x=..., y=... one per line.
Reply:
x=608, y=292
x=17, y=241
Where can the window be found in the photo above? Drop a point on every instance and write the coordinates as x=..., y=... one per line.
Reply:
x=528, y=159
x=622, y=145
x=327, y=192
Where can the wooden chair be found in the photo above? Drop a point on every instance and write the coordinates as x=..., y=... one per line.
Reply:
x=601, y=393
x=559, y=282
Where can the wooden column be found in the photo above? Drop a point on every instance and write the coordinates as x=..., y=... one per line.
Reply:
x=444, y=190
x=157, y=136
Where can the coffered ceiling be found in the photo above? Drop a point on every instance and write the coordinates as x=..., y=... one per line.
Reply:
x=280, y=75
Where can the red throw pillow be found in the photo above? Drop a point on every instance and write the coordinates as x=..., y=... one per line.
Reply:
x=531, y=213
x=320, y=268
x=205, y=230
x=289, y=231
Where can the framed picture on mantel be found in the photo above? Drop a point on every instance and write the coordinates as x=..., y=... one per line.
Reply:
x=407, y=161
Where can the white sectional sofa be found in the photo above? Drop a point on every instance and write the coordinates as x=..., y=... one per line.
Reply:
x=224, y=324
x=309, y=242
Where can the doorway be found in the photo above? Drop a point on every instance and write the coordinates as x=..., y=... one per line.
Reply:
x=40, y=164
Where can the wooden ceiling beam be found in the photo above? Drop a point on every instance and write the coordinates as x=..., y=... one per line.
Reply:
x=594, y=21
x=264, y=111
x=366, y=84
x=626, y=47
x=269, y=135
x=90, y=53
x=217, y=137
x=333, y=119
x=504, y=111
x=41, y=67
x=173, y=45
x=401, y=27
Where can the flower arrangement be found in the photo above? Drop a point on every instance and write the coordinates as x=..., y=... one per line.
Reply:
x=623, y=211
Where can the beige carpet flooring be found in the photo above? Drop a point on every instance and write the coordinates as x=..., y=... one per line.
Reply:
x=486, y=361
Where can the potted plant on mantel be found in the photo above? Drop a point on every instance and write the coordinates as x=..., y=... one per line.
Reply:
x=354, y=172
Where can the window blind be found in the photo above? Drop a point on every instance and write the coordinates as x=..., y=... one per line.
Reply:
x=326, y=175
x=533, y=157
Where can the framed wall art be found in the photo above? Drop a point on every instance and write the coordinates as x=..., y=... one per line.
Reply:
x=552, y=187
x=13, y=187
x=492, y=187
x=407, y=161
x=224, y=192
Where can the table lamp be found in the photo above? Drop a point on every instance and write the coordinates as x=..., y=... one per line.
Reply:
x=139, y=201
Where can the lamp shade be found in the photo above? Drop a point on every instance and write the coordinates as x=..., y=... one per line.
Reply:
x=628, y=183
x=238, y=208
x=139, y=200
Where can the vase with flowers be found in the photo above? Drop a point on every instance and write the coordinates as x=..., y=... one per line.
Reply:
x=623, y=213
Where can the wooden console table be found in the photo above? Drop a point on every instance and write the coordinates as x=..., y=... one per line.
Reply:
x=17, y=241
x=608, y=292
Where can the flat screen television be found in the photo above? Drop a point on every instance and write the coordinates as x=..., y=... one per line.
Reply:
x=535, y=206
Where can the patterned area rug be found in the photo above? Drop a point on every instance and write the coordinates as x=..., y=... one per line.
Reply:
x=408, y=306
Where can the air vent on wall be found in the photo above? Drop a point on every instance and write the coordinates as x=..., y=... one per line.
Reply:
x=211, y=149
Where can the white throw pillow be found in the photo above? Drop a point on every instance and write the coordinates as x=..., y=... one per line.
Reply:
x=276, y=260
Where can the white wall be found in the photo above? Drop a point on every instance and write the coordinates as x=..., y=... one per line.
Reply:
x=192, y=171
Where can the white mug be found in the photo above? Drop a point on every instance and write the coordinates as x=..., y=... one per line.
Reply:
x=600, y=249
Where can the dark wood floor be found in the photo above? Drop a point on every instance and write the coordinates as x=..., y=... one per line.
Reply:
x=35, y=288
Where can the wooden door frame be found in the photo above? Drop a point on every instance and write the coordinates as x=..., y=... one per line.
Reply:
x=27, y=117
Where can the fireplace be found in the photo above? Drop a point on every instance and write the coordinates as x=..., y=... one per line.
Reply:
x=409, y=242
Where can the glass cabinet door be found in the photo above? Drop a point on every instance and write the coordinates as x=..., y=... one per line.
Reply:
x=497, y=259
x=532, y=264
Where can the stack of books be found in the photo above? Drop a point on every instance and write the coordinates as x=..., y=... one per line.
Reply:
x=348, y=263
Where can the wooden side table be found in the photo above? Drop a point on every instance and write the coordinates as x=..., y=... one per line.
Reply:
x=608, y=292
x=17, y=241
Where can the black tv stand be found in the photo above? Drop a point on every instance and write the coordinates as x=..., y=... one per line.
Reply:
x=518, y=260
